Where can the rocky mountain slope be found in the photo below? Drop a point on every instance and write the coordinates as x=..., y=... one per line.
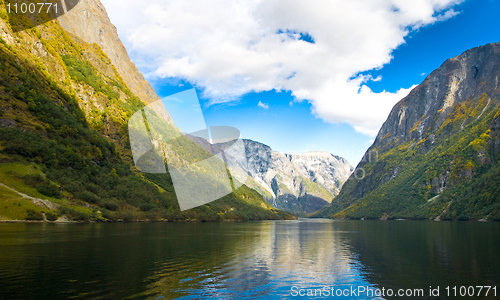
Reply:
x=64, y=145
x=298, y=183
x=89, y=21
x=437, y=154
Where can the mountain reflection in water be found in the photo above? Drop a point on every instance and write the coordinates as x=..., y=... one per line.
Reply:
x=262, y=259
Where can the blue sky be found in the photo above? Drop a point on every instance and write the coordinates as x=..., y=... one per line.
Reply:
x=294, y=117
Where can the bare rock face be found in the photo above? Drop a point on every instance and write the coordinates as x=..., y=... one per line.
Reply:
x=89, y=21
x=299, y=183
x=426, y=107
x=325, y=169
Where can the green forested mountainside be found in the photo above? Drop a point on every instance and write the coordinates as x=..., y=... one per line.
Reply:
x=63, y=137
x=438, y=154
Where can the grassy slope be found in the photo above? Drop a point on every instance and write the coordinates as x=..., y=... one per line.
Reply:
x=65, y=111
x=472, y=191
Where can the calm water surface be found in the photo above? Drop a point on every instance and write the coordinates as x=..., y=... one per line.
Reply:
x=262, y=260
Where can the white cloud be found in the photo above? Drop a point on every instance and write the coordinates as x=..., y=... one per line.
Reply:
x=230, y=48
x=263, y=105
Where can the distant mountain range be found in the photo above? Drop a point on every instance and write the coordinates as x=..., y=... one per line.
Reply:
x=297, y=183
x=437, y=156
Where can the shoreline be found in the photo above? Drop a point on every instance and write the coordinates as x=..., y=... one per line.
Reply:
x=224, y=221
x=135, y=221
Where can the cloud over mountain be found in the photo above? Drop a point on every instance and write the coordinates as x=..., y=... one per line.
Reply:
x=316, y=51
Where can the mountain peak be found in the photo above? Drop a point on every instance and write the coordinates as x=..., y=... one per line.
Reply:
x=298, y=183
x=457, y=80
x=89, y=21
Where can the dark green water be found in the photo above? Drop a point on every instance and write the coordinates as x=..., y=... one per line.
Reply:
x=235, y=260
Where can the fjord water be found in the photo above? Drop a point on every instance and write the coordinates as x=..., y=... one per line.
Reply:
x=234, y=260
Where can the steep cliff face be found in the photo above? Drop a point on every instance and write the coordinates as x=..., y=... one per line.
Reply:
x=427, y=107
x=438, y=144
x=298, y=183
x=89, y=21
